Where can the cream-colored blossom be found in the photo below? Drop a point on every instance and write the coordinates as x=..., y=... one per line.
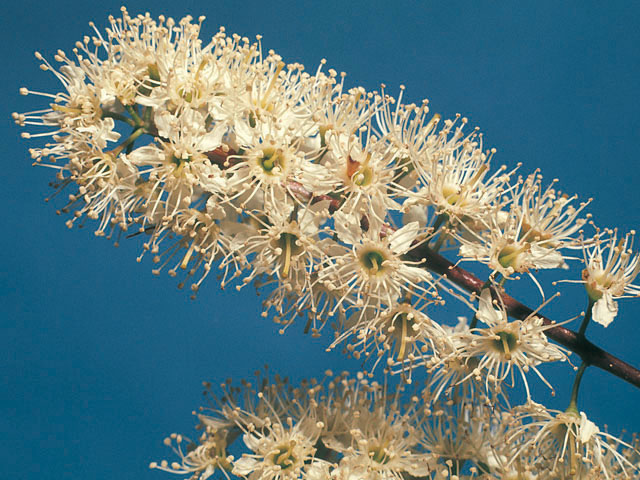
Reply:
x=371, y=268
x=611, y=267
x=529, y=234
x=502, y=345
x=568, y=444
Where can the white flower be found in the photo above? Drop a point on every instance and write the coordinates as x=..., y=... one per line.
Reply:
x=178, y=166
x=568, y=444
x=460, y=430
x=378, y=437
x=200, y=242
x=279, y=451
x=409, y=128
x=285, y=245
x=201, y=459
x=454, y=179
x=367, y=172
x=188, y=132
x=503, y=345
x=529, y=235
x=107, y=190
x=318, y=470
x=401, y=336
x=611, y=267
x=333, y=109
x=371, y=268
x=313, y=300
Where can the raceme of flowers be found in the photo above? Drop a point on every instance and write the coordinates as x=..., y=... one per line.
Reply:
x=347, y=428
x=222, y=157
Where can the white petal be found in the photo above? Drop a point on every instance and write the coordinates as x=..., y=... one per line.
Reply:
x=308, y=222
x=415, y=274
x=251, y=441
x=214, y=209
x=244, y=465
x=471, y=251
x=541, y=257
x=587, y=428
x=486, y=313
x=245, y=136
x=605, y=309
x=210, y=470
x=334, y=444
x=347, y=228
x=148, y=154
x=417, y=468
x=213, y=139
x=317, y=471
x=311, y=144
x=400, y=241
x=416, y=213
x=214, y=422
x=163, y=121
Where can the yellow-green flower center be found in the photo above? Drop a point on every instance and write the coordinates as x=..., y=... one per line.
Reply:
x=509, y=256
x=372, y=260
x=363, y=176
x=451, y=194
x=595, y=285
x=270, y=160
x=177, y=161
x=505, y=344
x=378, y=454
x=283, y=456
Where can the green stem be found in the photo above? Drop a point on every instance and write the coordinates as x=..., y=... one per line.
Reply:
x=136, y=118
x=117, y=116
x=441, y=238
x=146, y=114
x=573, y=403
x=130, y=146
x=587, y=318
x=440, y=219
x=128, y=142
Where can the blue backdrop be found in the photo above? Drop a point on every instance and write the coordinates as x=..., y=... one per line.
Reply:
x=100, y=360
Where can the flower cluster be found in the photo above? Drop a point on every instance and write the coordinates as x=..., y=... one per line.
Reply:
x=347, y=428
x=223, y=157
x=239, y=162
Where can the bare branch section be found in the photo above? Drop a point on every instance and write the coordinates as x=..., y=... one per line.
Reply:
x=590, y=353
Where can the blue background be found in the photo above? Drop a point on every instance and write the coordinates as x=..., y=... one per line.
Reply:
x=99, y=360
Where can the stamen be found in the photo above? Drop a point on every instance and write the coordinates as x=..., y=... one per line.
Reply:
x=287, y=255
x=279, y=68
x=187, y=257
x=374, y=263
x=572, y=455
x=403, y=340
x=505, y=346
